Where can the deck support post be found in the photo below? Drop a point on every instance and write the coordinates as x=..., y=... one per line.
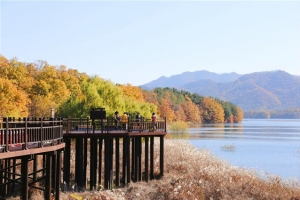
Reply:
x=161, y=155
x=151, y=157
x=146, y=158
x=58, y=175
x=79, y=164
x=66, y=168
x=24, y=177
x=47, y=194
x=108, y=162
x=117, y=157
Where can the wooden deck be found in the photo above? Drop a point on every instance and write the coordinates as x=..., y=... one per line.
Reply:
x=114, y=156
x=23, y=142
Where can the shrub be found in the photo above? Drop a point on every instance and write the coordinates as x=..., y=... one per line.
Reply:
x=179, y=127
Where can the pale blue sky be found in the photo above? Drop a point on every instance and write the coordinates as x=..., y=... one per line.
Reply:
x=137, y=41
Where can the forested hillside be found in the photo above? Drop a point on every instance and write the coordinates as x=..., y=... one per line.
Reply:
x=274, y=94
x=32, y=89
x=269, y=94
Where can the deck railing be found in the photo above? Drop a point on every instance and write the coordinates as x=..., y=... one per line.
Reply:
x=108, y=125
x=24, y=133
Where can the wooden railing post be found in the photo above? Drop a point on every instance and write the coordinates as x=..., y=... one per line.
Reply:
x=165, y=124
x=87, y=125
x=6, y=135
x=41, y=134
x=25, y=137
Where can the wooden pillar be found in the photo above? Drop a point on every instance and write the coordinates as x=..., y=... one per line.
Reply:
x=6, y=176
x=108, y=162
x=53, y=170
x=1, y=177
x=138, y=163
x=133, y=143
x=140, y=159
x=35, y=157
x=67, y=161
x=161, y=156
x=117, y=157
x=79, y=164
x=47, y=194
x=14, y=174
x=24, y=177
x=146, y=158
x=100, y=162
x=128, y=160
x=93, y=161
x=124, y=168
x=44, y=164
x=151, y=157
x=111, y=163
x=58, y=175
x=85, y=149
x=9, y=176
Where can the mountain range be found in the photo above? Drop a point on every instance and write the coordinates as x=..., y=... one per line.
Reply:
x=269, y=90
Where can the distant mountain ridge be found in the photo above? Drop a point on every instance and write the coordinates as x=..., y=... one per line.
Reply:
x=271, y=90
x=179, y=80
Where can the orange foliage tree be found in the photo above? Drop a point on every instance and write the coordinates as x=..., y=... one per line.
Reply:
x=191, y=111
x=211, y=111
x=134, y=92
x=165, y=108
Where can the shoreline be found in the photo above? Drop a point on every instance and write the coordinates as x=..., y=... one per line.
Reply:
x=192, y=173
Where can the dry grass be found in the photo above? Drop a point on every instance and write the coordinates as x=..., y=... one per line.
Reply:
x=196, y=174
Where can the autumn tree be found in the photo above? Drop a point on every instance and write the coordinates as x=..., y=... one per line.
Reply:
x=12, y=100
x=180, y=114
x=48, y=91
x=191, y=111
x=165, y=108
x=240, y=115
x=133, y=92
x=150, y=97
x=211, y=111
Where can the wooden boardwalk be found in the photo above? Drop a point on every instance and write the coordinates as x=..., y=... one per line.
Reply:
x=57, y=154
x=114, y=156
x=30, y=154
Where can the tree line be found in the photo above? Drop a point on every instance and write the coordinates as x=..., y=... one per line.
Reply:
x=33, y=89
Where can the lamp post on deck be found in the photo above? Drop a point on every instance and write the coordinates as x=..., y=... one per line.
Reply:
x=52, y=113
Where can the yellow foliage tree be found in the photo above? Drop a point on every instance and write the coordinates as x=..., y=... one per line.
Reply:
x=13, y=101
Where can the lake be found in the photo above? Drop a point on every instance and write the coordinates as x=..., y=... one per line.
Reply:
x=266, y=145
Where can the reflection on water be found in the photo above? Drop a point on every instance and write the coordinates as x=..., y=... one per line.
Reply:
x=178, y=136
x=264, y=144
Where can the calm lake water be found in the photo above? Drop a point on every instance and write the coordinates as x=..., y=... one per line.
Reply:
x=267, y=145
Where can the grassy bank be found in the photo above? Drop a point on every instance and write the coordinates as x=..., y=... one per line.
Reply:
x=196, y=174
